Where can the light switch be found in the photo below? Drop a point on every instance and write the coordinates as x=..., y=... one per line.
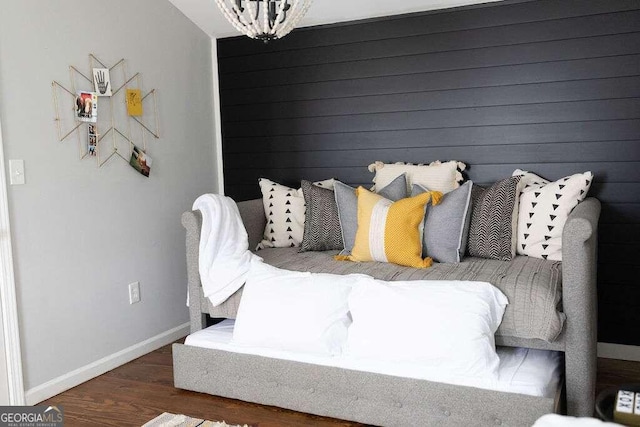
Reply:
x=16, y=171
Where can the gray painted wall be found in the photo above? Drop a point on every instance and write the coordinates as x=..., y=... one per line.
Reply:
x=81, y=234
x=549, y=86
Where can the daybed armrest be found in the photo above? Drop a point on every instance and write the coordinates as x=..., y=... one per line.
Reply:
x=192, y=222
x=252, y=213
x=579, y=296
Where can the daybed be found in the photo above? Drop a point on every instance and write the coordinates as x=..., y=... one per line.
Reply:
x=552, y=307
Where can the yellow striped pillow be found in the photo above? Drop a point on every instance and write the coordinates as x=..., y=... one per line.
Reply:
x=389, y=231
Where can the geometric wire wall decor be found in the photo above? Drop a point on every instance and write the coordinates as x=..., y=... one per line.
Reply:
x=123, y=130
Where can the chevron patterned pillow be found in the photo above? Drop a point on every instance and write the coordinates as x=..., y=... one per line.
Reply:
x=494, y=219
x=321, y=224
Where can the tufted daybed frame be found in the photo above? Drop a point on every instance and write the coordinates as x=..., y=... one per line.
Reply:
x=386, y=400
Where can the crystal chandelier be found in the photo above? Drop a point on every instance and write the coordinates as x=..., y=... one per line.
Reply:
x=264, y=19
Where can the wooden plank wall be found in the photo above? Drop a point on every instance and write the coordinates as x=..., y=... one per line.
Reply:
x=548, y=86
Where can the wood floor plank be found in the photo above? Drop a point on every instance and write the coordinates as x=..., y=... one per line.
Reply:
x=614, y=373
x=143, y=389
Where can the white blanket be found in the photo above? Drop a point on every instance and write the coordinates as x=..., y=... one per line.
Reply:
x=225, y=258
x=555, y=420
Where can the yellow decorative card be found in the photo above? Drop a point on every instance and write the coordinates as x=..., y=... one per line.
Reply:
x=134, y=102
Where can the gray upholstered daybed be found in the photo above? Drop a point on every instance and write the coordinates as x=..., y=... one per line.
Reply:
x=552, y=307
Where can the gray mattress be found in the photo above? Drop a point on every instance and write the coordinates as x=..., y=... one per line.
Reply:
x=532, y=285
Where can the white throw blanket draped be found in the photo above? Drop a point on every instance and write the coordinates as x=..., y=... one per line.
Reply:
x=225, y=258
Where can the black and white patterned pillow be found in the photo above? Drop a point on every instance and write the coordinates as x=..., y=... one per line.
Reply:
x=544, y=209
x=494, y=220
x=321, y=225
x=284, y=209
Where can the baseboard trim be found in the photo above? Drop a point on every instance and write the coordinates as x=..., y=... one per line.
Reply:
x=99, y=367
x=619, y=351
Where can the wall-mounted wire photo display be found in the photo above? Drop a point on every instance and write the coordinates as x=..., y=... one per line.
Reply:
x=123, y=123
x=140, y=161
x=87, y=107
x=102, y=81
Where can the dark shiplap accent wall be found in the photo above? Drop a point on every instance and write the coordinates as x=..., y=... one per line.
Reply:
x=548, y=86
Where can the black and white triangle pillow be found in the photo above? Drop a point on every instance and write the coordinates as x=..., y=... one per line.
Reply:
x=284, y=209
x=543, y=211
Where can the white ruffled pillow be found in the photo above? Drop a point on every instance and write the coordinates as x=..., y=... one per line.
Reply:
x=445, y=327
x=437, y=176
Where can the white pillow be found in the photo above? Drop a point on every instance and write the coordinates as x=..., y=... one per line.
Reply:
x=544, y=209
x=443, y=325
x=437, y=176
x=284, y=208
x=294, y=311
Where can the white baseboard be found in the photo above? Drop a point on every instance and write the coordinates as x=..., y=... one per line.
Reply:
x=65, y=382
x=619, y=351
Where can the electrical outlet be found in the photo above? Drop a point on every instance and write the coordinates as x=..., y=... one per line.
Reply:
x=134, y=292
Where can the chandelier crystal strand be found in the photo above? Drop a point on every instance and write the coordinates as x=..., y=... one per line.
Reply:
x=265, y=19
x=293, y=21
x=250, y=24
x=253, y=15
x=229, y=15
x=305, y=8
x=291, y=18
x=278, y=18
x=231, y=18
x=270, y=23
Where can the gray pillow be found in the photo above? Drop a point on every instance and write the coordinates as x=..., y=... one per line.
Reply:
x=493, y=221
x=321, y=223
x=446, y=225
x=347, y=202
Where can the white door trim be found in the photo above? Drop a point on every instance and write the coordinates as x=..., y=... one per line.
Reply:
x=217, y=124
x=8, y=294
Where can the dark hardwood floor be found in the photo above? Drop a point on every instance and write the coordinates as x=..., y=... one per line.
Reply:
x=142, y=389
